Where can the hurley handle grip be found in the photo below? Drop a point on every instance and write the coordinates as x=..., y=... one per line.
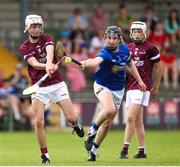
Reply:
x=42, y=79
x=75, y=61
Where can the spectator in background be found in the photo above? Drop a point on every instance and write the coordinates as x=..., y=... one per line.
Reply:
x=3, y=97
x=158, y=37
x=172, y=25
x=123, y=19
x=149, y=18
x=98, y=20
x=1, y=78
x=20, y=104
x=74, y=74
x=4, y=100
x=64, y=41
x=97, y=41
x=96, y=44
x=78, y=22
x=79, y=41
x=169, y=68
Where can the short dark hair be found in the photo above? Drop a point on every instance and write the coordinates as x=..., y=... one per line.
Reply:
x=113, y=30
x=122, y=6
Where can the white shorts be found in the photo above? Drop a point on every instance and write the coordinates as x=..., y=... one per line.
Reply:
x=137, y=97
x=117, y=95
x=52, y=93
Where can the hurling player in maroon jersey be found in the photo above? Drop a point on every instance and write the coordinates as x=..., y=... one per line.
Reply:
x=147, y=60
x=38, y=52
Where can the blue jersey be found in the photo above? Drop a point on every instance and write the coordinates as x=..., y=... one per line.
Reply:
x=111, y=72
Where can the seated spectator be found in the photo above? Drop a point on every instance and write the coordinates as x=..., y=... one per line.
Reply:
x=78, y=22
x=149, y=18
x=74, y=74
x=20, y=104
x=64, y=41
x=123, y=19
x=172, y=25
x=98, y=20
x=80, y=43
x=169, y=68
x=158, y=37
x=4, y=103
x=1, y=78
x=96, y=44
x=178, y=67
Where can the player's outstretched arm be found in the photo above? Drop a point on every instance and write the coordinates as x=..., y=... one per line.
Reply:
x=133, y=70
x=91, y=62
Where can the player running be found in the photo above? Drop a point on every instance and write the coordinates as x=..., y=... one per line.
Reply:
x=109, y=85
x=146, y=57
x=38, y=52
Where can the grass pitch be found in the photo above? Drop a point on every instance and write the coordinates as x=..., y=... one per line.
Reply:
x=65, y=149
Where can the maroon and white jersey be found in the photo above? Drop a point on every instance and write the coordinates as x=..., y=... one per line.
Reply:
x=38, y=51
x=144, y=57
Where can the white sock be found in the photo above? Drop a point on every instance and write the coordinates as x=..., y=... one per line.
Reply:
x=93, y=149
x=92, y=131
x=17, y=116
x=47, y=155
x=127, y=143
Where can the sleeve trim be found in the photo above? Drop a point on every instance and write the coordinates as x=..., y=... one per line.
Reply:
x=155, y=57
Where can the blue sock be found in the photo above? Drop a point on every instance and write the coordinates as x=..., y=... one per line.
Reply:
x=95, y=126
x=96, y=145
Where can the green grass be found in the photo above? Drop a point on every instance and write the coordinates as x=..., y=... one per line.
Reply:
x=65, y=149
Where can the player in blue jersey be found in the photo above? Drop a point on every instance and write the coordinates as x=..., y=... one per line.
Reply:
x=109, y=84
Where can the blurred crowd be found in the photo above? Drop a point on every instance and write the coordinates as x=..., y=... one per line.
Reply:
x=13, y=105
x=12, y=102
x=84, y=39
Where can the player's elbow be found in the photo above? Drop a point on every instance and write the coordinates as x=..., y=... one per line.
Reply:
x=130, y=120
x=96, y=63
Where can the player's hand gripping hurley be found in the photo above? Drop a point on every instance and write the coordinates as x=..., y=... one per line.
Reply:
x=32, y=89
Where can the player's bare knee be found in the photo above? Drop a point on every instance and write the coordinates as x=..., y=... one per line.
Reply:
x=130, y=119
x=39, y=123
x=138, y=124
x=110, y=111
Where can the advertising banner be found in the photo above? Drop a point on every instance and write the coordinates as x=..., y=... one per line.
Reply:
x=170, y=108
x=159, y=114
x=153, y=114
